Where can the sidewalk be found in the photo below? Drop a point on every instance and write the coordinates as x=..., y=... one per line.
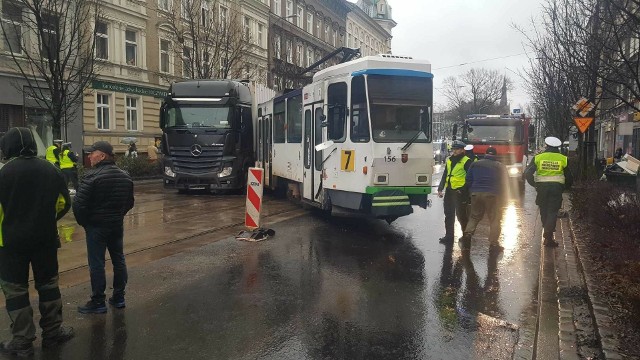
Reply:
x=584, y=322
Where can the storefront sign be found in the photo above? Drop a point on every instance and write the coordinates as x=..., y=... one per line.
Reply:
x=127, y=88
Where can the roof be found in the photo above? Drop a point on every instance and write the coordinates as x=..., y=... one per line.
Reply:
x=381, y=62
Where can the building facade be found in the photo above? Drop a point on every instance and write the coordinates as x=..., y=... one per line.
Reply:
x=366, y=34
x=301, y=33
x=381, y=12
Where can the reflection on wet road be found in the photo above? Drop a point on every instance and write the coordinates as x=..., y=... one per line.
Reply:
x=323, y=288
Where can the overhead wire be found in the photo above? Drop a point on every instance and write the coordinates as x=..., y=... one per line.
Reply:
x=479, y=61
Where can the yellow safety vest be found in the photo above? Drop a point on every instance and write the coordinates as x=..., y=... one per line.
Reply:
x=458, y=176
x=50, y=156
x=550, y=167
x=65, y=160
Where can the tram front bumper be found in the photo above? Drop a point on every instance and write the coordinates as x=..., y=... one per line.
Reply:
x=397, y=201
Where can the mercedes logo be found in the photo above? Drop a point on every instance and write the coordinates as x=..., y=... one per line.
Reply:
x=196, y=150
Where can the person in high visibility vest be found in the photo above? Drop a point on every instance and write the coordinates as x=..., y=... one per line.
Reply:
x=549, y=174
x=68, y=161
x=53, y=153
x=456, y=194
x=468, y=151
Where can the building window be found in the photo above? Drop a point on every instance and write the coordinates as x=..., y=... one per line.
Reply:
x=277, y=7
x=49, y=35
x=300, y=55
x=309, y=56
x=326, y=32
x=204, y=12
x=318, y=28
x=12, y=26
x=334, y=37
x=290, y=10
x=102, y=41
x=164, y=56
x=300, y=16
x=277, y=46
x=131, y=47
x=223, y=14
x=132, y=113
x=186, y=62
x=246, y=28
x=164, y=5
x=103, y=112
x=260, y=36
x=289, y=52
x=310, y=22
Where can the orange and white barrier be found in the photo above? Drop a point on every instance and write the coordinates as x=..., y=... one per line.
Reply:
x=254, y=198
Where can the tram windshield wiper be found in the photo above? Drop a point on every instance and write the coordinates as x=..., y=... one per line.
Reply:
x=413, y=139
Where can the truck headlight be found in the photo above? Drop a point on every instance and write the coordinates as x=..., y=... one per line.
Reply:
x=226, y=171
x=169, y=172
x=514, y=171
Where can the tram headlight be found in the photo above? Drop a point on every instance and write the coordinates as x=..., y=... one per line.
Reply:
x=422, y=179
x=381, y=179
x=169, y=172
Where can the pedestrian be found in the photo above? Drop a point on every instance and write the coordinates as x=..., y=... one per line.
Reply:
x=487, y=182
x=31, y=192
x=549, y=174
x=456, y=196
x=132, y=151
x=153, y=150
x=53, y=153
x=617, y=156
x=104, y=197
x=68, y=163
x=468, y=151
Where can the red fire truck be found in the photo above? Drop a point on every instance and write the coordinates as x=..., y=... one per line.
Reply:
x=510, y=135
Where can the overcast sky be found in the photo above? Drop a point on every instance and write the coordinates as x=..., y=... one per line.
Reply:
x=452, y=32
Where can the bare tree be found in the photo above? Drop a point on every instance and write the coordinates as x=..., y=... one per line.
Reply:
x=51, y=44
x=213, y=40
x=478, y=91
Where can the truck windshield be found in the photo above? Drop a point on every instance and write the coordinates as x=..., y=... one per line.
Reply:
x=399, y=105
x=195, y=116
x=493, y=133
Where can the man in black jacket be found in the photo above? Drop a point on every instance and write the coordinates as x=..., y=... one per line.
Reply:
x=104, y=197
x=33, y=196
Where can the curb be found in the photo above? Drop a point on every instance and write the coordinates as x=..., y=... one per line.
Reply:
x=599, y=311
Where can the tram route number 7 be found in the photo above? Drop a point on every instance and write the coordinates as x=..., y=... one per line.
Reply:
x=347, y=160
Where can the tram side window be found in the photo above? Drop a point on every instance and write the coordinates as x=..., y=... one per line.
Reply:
x=294, y=119
x=337, y=112
x=359, y=113
x=278, y=123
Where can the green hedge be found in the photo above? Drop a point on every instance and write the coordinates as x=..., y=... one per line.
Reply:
x=139, y=167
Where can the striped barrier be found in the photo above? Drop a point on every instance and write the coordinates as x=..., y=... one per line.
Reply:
x=254, y=198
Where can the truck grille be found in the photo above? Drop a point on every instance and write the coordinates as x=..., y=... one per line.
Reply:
x=184, y=162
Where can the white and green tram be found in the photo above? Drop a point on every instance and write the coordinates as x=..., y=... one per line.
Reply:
x=357, y=140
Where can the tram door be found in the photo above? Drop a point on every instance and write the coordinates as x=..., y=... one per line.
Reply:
x=312, y=158
x=264, y=147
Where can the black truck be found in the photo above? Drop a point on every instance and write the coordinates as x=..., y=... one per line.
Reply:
x=207, y=135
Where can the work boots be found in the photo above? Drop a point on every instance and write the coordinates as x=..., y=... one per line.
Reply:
x=17, y=348
x=549, y=241
x=64, y=334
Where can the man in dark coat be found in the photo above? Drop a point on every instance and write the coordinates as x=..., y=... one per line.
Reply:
x=33, y=196
x=103, y=199
x=487, y=181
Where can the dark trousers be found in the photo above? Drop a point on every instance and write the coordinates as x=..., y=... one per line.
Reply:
x=99, y=240
x=71, y=174
x=485, y=203
x=456, y=203
x=549, y=201
x=14, y=278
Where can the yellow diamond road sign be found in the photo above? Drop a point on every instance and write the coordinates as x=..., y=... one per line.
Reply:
x=583, y=107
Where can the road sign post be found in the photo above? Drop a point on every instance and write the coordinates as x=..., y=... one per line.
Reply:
x=254, y=198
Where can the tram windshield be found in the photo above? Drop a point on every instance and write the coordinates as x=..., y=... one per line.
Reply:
x=198, y=116
x=400, y=108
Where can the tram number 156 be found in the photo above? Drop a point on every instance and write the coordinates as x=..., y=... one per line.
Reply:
x=347, y=160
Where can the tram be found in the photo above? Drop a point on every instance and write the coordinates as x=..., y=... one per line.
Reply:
x=356, y=141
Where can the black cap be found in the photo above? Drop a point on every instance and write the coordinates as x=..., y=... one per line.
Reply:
x=103, y=146
x=491, y=151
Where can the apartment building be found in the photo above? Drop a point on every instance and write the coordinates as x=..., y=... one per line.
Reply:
x=301, y=33
x=365, y=33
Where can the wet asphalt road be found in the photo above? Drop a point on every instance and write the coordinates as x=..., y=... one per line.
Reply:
x=322, y=288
